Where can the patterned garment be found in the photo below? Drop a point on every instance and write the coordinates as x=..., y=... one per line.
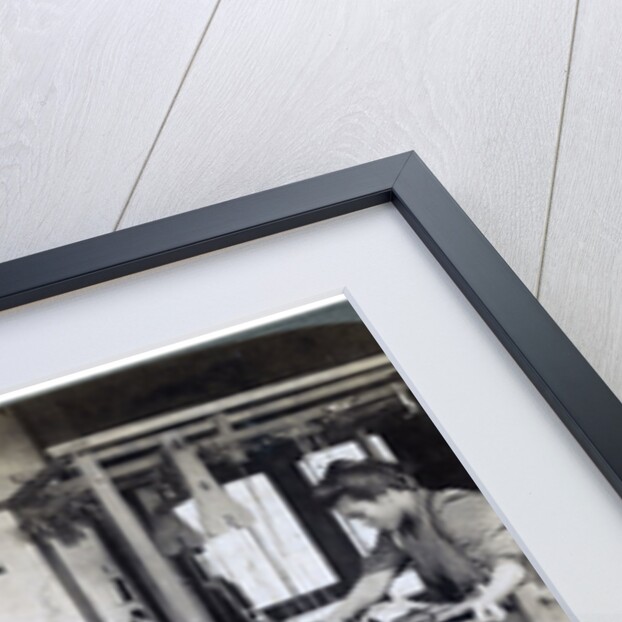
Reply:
x=454, y=540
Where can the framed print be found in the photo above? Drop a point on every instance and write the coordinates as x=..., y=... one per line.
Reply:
x=509, y=403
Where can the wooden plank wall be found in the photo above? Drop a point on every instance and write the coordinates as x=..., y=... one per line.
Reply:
x=116, y=114
x=582, y=276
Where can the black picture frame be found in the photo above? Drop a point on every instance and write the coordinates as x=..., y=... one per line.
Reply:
x=573, y=389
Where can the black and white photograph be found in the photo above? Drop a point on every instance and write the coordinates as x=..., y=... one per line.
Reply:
x=279, y=471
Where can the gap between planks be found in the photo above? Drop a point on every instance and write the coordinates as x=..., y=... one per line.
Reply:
x=547, y=218
x=166, y=115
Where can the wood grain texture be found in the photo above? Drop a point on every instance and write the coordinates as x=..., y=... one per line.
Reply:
x=84, y=87
x=282, y=91
x=582, y=272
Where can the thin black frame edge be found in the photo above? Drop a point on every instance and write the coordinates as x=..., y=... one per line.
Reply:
x=570, y=385
x=120, y=253
x=581, y=399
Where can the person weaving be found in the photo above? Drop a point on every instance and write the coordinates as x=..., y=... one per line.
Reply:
x=465, y=557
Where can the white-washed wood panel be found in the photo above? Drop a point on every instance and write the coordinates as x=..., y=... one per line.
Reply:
x=84, y=87
x=582, y=275
x=281, y=91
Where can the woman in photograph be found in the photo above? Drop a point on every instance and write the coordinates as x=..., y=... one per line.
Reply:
x=469, y=563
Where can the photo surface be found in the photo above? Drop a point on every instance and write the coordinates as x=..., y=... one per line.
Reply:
x=279, y=471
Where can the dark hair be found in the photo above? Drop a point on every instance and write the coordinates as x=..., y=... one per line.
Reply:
x=361, y=480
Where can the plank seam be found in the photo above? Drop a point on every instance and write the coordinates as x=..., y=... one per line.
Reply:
x=166, y=116
x=547, y=218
